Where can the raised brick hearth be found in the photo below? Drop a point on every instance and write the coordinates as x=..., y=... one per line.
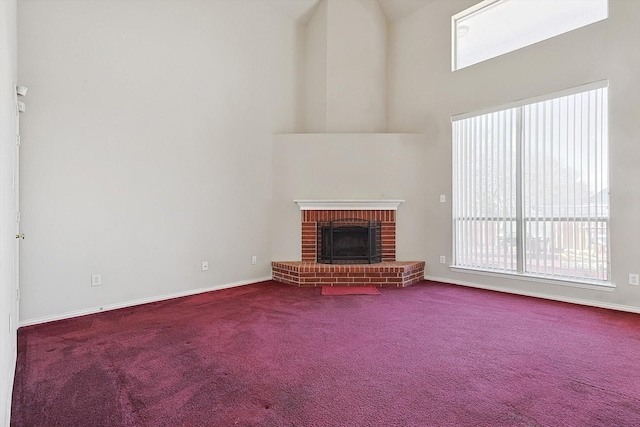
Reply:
x=387, y=274
x=308, y=272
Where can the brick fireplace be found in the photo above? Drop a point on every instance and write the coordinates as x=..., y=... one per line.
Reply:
x=308, y=272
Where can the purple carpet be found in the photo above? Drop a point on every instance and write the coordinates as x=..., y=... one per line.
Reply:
x=274, y=355
x=349, y=290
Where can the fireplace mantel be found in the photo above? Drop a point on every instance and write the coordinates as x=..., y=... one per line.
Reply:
x=348, y=205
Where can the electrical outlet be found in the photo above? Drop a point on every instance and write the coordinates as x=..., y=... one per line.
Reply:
x=96, y=280
x=254, y=260
x=205, y=266
x=443, y=259
x=634, y=279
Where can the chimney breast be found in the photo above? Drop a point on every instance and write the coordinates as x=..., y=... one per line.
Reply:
x=346, y=68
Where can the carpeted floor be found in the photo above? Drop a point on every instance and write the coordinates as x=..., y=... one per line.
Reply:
x=349, y=290
x=273, y=355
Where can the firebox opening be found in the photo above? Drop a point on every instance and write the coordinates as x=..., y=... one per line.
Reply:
x=349, y=241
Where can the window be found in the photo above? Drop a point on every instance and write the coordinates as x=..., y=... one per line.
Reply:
x=531, y=187
x=495, y=27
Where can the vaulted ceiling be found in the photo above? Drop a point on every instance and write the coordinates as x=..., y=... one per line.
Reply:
x=302, y=10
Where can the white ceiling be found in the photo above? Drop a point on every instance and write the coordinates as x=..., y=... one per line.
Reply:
x=302, y=10
x=396, y=9
x=298, y=10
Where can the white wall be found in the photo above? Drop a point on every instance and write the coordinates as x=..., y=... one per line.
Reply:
x=149, y=126
x=349, y=166
x=8, y=305
x=346, y=68
x=147, y=146
x=356, y=67
x=315, y=71
x=424, y=94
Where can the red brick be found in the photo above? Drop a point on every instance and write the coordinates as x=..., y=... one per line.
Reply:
x=396, y=275
x=356, y=274
x=342, y=284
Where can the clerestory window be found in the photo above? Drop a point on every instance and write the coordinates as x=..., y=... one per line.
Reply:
x=495, y=27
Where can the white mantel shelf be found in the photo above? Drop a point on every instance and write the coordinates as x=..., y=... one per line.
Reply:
x=348, y=205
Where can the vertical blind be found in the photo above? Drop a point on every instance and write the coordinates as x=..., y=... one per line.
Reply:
x=531, y=187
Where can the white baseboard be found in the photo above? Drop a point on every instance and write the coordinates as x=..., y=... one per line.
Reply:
x=132, y=303
x=68, y=315
x=579, y=301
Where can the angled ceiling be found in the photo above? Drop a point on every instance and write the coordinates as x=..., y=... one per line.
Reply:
x=396, y=9
x=298, y=10
x=302, y=10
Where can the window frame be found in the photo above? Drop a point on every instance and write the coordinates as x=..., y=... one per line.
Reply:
x=486, y=5
x=519, y=272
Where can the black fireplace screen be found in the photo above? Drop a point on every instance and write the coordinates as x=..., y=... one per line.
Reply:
x=349, y=241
